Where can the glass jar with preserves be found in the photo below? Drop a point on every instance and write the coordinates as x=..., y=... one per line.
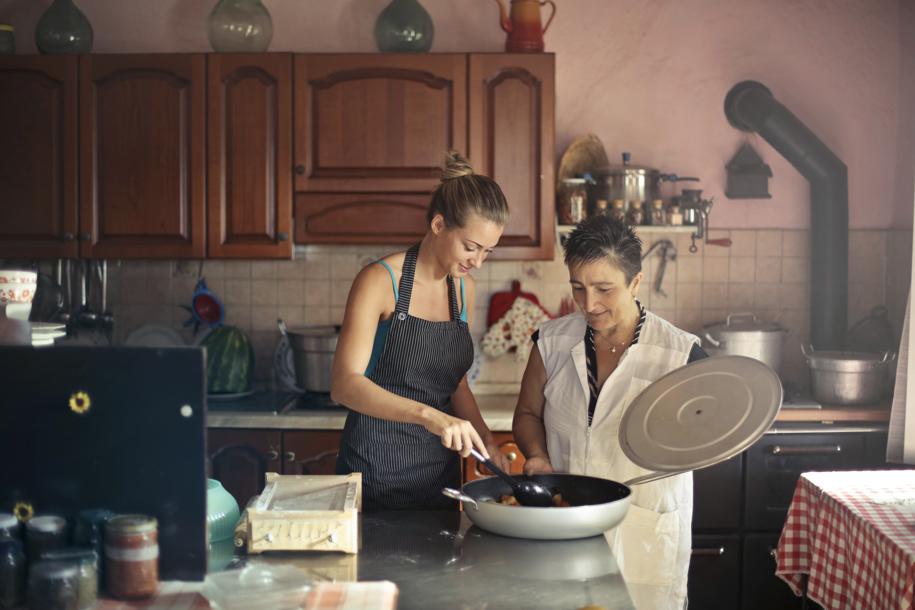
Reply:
x=675, y=217
x=618, y=210
x=86, y=562
x=132, y=556
x=89, y=532
x=12, y=573
x=573, y=201
x=45, y=533
x=53, y=585
x=9, y=527
x=600, y=208
x=635, y=216
x=658, y=213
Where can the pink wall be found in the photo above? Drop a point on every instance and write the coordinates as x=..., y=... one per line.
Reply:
x=648, y=76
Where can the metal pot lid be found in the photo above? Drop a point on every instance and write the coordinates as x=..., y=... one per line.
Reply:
x=701, y=414
x=744, y=323
x=623, y=170
x=846, y=362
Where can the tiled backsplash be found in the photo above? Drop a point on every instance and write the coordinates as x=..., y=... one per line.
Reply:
x=764, y=271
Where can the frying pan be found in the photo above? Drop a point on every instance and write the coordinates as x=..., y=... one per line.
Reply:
x=696, y=416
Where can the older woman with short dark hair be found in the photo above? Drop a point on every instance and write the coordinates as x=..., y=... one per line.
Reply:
x=583, y=372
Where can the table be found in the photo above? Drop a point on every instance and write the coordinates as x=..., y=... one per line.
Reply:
x=851, y=536
x=438, y=559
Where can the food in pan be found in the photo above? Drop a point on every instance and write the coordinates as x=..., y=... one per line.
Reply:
x=510, y=500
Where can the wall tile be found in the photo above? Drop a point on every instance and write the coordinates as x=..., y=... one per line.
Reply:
x=317, y=293
x=263, y=270
x=795, y=243
x=344, y=266
x=290, y=270
x=293, y=315
x=237, y=292
x=742, y=269
x=239, y=316
x=237, y=270
x=690, y=320
x=339, y=291
x=768, y=269
x=213, y=269
x=317, y=266
x=689, y=268
x=689, y=296
x=766, y=296
x=290, y=292
x=743, y=243
x=715, y=269
x=717, y=251
x=768, y=243
x=263, y=317
x=794, y=296
x=795, y=270
x=264, y=292
x=317, y=315
x=714, y=296
x=740, y=297
x=504, y=270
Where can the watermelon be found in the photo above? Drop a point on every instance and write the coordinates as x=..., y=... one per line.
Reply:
x=230, y=361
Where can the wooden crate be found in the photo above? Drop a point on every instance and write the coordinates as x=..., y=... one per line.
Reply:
x=304, y=513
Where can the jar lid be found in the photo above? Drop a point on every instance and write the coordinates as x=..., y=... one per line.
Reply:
x=131, y=524
x=5, y=27
x=51, y=524
x=78, y=555
x=57, y=569
x=8, y=521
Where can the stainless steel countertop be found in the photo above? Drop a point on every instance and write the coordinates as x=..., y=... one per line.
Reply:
x=438, y=560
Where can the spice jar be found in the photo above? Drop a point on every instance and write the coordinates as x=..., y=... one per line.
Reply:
x=86, y=562
x=7, y=39
x=618, y=210
x=600, y=208
x=12, y=573
x=635, y=216
x=572, y=202
x=45, y=533
x=88, y=532
x=53, y=585
x=658, y=215
x=9, y=527
x=675, y=217
x=132, y=556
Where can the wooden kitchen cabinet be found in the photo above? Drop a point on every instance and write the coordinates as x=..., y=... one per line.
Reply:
x=511, y=127
x=38, y=156
x=142, y=151
x=249, y=155
x=310, y=451
x=240, y=458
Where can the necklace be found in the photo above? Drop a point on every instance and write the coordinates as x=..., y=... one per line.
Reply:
x=610, y=346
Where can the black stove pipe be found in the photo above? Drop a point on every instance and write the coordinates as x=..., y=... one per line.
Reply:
x=750, y=106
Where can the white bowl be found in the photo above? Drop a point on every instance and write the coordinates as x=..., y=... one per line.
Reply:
x=18, y=311
x=17, y=293
x=15, y=276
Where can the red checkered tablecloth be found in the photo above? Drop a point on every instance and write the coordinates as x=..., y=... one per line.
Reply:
x=174, y=595
x=853, y=535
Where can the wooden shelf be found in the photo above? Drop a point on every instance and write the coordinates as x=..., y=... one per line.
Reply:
x=566, y=229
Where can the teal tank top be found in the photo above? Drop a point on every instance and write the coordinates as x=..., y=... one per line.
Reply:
x=381, y=333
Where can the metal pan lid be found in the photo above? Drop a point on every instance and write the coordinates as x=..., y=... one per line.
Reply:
x=744, y=322
x=701, y=414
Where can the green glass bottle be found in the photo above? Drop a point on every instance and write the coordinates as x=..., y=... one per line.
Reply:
x=63, y=28
x=404, y=26
x=240, y=26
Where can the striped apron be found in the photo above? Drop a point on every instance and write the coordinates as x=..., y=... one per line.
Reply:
x=404, y=465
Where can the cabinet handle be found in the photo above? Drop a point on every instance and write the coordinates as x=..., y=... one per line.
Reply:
x=773, y=553
x=85, y=236
x=282, y=236
x=300, y=169
x=512, y=456
x=290, y=456
x=805, y=450
x=272, y=455
x=710, y=552
x=69, y=236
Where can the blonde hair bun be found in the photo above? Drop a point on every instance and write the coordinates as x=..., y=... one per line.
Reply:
x=456, y=166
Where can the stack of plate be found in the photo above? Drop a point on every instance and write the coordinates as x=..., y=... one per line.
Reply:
x=44, y=333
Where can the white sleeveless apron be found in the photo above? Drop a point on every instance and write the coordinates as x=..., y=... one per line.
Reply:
x=652, y=545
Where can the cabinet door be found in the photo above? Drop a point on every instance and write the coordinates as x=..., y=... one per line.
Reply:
x=511, y=124
x=714, y=573
x=249, y=156
x=239, y=459
x=370, y=136
x=776, y=461
x=38, y=156
x=761, y=588
x=142, y=136
x=474, y=470
x=717, y=495
x=310, y=451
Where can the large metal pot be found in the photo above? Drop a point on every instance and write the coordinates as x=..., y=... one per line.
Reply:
x=848, y=378
x=743, y=334
x=313, y=355
x=630, y=182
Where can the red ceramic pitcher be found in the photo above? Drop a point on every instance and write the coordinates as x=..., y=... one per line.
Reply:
x=522, y=24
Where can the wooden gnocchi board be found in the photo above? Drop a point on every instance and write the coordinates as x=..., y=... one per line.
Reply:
x=304, y=513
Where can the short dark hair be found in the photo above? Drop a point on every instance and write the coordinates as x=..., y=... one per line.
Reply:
x=603, y=238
